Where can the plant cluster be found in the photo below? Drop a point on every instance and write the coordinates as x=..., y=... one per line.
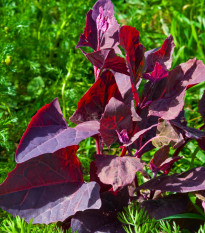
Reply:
x=136, y=102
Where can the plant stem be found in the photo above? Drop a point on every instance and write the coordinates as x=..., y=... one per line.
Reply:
x=97, y=142
x=123, y=152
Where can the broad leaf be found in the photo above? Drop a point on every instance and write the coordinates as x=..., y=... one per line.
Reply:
x=163, y=56
x=96, y=221
x=105, y=219
x=117, y=171
x=190, y=181
x=101, y=29
x=116, y=117
x=92, y=104
x=48, y=132
x=171, y=100
x=190, y=132
x=49, y=188
x=89, y=38
x=158, y=73
x=167, y=206
x=167, y=134
x=134, y=51
x=94, y=177
x=138, y=134
x=108, y=59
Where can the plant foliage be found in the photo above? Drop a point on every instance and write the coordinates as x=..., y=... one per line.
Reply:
x=47, y=184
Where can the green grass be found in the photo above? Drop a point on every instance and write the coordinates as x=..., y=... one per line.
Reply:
x=38, y=62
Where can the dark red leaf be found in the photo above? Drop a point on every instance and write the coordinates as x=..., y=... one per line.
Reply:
x=89, y=38
x=138, y=134
x=48, y=132
x=107, y=26
x=94, y=177
x=91, y=106
x=167, y=206
x=163, y=56
x=189, y=132
x=105, y=219
x=49, y=188
x=159, y=157
x=161, y=160
x=134, y=51
x=108, y=59
x=95, y=222
x=171, y=100
x=190, y=181
x=116, y=117
x=101, y=29
x=158, y=73
x=117, y=171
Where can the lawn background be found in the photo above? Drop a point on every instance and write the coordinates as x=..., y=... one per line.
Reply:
x=38, y=62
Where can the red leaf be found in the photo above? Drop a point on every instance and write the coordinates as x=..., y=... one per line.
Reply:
x=48, y=132
x=171, y=100
x=89, y=38
x=48, y=188
x=91, y=106
x=163, y=56
x=108, y=59
x=166, y=206
x=190, y=181
x=117, y=171
x=134, y=51
x=101, y=29
x=158, y=73
x=116, y=117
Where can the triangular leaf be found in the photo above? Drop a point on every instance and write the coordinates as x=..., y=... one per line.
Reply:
x=117, y=171
x=91, y=106
x=48, y=188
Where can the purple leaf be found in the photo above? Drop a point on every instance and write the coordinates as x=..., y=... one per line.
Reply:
x=163, y=56
x=95, y=222
x=158, y=73
x=117, y=171
x=48, y=132
x=107, y=26
x=167, y=134
x=160, y=156
x=104, y=219
x=89, y=38
x=190, y=132
x=107, y=59
x=116, y=117
x=94, y=177
x=139, y=134
x=167, y=206
x=190, y=181
x=101, y=29
x=171, y=100
x=49, y=188
x=91, y=106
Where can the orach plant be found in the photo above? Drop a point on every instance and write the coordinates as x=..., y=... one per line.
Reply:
x=47, y=184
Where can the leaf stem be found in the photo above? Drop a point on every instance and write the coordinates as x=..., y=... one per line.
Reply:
x=123, y=152
x=97, y=142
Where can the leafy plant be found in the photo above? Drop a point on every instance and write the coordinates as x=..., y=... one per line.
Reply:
x=19, y=225
x=136, y=219
x=136, y=102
